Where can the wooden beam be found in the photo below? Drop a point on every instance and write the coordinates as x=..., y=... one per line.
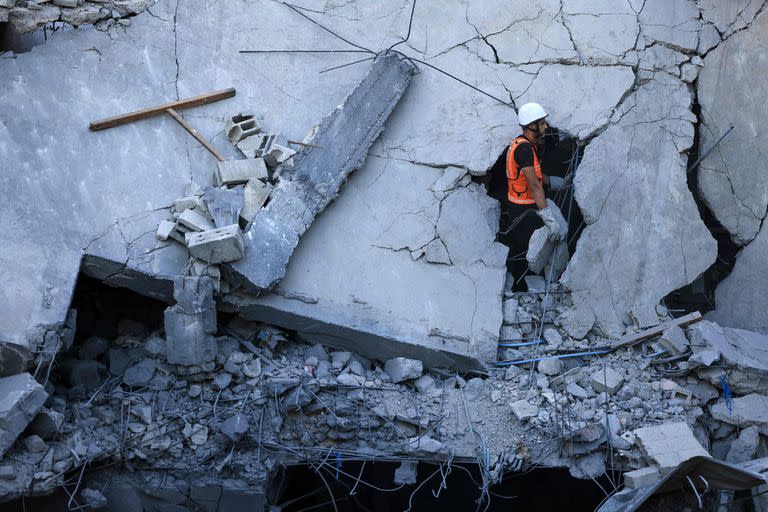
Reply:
x=631, y=339
x=207, y=145
x=130, y=117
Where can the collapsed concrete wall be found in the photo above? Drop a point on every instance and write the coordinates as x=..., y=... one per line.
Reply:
x=733, y=178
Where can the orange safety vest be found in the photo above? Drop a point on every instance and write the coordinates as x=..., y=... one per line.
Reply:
x=518, y=190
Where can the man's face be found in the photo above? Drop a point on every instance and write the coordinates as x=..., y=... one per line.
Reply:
x=542, y=125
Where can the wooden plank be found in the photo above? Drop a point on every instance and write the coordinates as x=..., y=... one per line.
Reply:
x=203, y=99
x=207, y=145
x=637, y=337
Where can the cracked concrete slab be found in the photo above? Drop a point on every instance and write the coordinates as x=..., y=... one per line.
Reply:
x=731, y=90
x=728, y=17
x=674, y=23
x=644, y=237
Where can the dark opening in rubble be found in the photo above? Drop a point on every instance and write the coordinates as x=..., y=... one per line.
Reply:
x=560, y=156
x=700, y=294
x=102, y=308
x=12, y=40
x=300, y=487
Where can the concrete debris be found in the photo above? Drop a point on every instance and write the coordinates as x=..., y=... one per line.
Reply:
x=235, y=427
x=669, y=444
x=744, y=448
x=401, y=369
x=406, y=473
x=239, y=127
x=541, y=248
x=642, y=477
x=607, y=379
x=93, y=498
x=746, y=411
x=296, y=202
x=47, y=423
x=140, y=374
x=21, y=398
x=239, y=172
x=224, y=205
x=220, y=245
x=255, y=194
x=674, y=340
x=194, y=221
x=523, y=410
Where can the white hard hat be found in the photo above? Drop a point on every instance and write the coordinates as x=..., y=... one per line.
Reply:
x=529, y=113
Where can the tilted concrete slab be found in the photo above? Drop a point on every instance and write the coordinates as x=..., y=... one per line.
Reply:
x=340, y=147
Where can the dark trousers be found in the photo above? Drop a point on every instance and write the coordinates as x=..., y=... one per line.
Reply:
x=516, y=225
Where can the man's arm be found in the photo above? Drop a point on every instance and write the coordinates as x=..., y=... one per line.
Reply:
x=537, y=190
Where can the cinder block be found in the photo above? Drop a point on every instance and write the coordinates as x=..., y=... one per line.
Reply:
x=238, y=172
x=240, y=127
x=217, y=245
x=255, y=194
x=256, y=146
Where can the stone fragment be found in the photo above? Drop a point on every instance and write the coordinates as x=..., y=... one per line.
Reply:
x=93, y=347
x=577, y=321
x=347, y=379
x=588, y=468
x=239, y=127
x=220, y=245
x=222, y=381
x=642, y=477
x=35, y=444
x=194, y=294
x=87, y=374
x=224, y=205
x=194, y=221
x=608, y=380
x=235, y=427
x=14, y=359
x=524, y=410
x=541, y=248
x=426, y=385
x=744, y=448
x=575, y=390
x=140, y=374
x=164, y=230
x=669, y=444
x=197, y=434
x=405, y=474
x=93, y=498
x=255, y=194
x=550, y=366
x=448, y=180
x=552, y=337
x=296, y=202
x=435, y=252
x=674, y=340
x=188, y=203
x=255, y=146
x=401, y=368
x=744, y=355
x=750, y=410
x=188, y=338
x=238, y=172
x=340, y=358
x=47, y=423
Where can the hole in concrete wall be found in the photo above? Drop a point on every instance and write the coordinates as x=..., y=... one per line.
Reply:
x=700, y=294
x=561, y=154
x=22, y=42
x=299, y=488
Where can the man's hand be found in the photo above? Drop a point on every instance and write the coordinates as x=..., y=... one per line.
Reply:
x=556, y=183
x=549, y=217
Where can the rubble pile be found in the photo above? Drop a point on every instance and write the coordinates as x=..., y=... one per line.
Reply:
x=209, y=221
x=26, y=16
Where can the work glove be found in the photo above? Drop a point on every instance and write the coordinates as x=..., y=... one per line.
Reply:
x=557, y=183
x=549, y=216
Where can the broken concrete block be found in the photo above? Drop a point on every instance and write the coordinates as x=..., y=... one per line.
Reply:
x=88, y=374
x=641, y=477
x=21, y=398
x=255, y=194
x=744, y=448
x=256, y=145
x=608, y=380
x=425, y=444
x=750, y=410
x=194, y=294
x=295, y=203
x=400, y=369
x=140, y=374
x=524, y=410
x=669, y=444
x=92, y=498
x=550, y=366
x=448, y=180
x=674, y=340
x=405, y=474
x=435, y=252
x=224, y=205
x=237, y=172
x=218, y=245
x=239, y=127
x=235, y=427
x=47, y=423
x=194, y=221
x=277, y=154
x=541, y=248
x=188, y=338
x=14, y=359
x=164, y=230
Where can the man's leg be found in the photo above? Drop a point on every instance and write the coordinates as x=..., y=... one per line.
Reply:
x=518, y=225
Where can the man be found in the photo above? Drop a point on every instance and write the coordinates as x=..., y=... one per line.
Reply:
x=525, y=191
